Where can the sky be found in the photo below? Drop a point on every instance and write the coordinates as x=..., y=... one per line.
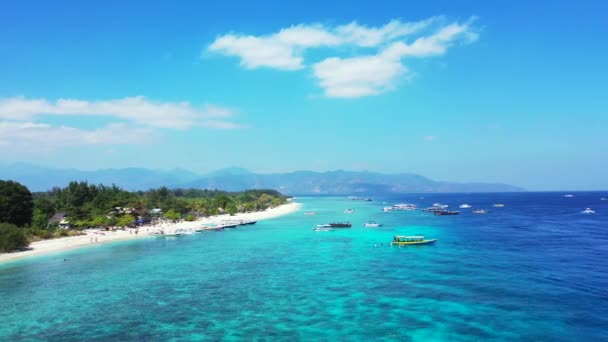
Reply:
x=494, y=91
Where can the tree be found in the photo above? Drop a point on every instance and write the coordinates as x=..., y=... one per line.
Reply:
x=16, y=203
x=125, y=220
x=12, y=238
x=173, y=215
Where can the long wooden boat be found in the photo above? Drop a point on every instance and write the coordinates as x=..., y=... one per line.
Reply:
x=413, y=240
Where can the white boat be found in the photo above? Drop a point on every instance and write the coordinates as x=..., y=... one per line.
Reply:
x=480, y=211
x=404, y=206
x=465, y=206
x=387, y=209
x=323, y=228
x=372, y=224
x=176, y=232
x=568, y=195
x=349, y=211
x=498, y=205
x=588, y=211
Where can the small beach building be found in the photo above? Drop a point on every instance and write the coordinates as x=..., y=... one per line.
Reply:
x=61, y=220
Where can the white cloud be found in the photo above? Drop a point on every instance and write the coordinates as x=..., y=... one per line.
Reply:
x=353, y=76
x=139, y=110
x=358, y=76
x=47, y=137
x=284, y=49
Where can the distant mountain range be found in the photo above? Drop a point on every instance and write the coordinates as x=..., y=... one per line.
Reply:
x=38, y=178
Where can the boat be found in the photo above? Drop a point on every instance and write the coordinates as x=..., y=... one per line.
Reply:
x=480, y=211
x=568, y=195
x=404, y=206
x=322, y=228
x=588, y=211
x=176, y=232
x=247, y=223
x=340, y=224
x=498, y=205
x=400, y=240
x=400, y=207
x=465, y=206
x=349, y=211
x=446, y=212
x=309, y=213
x=372, y=224
x=433, y=209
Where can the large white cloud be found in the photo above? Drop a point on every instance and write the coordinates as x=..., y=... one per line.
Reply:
x=354, y=76
x=284, y=49
x=139, y=110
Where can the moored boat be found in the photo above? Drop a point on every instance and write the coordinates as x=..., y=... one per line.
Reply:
x=588, y=211
x=480, y=211
x=412, y=240
x=372, y=224
x=465, y=206
x=349, y=211
x=446, y=212
x=322, y=228
x=340, y=224
x=498, y=205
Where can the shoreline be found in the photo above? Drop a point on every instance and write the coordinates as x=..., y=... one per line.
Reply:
x=90, y=239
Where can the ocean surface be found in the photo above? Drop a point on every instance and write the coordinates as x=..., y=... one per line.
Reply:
x=534, y=270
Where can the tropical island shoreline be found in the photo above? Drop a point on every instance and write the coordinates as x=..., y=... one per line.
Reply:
x=63, y=244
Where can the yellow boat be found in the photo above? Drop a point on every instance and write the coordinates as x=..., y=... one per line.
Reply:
x=401, y=240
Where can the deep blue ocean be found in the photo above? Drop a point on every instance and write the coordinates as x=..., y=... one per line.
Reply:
x=535, y=270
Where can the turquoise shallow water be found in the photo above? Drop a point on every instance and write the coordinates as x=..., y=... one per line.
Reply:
x=510, y=275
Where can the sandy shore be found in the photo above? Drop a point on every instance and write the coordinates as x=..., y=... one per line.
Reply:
x=93, y=238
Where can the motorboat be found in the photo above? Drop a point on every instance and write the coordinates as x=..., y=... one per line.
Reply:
x=400, y=207
x=340, y=224
x=404, y=207
x=480, y=211
x=568, y=195
x=498, y=205
x=413, y=240
x=588, y=211
x=247, y=223
x=322, y=228
x=465, y=206
x=446, y=212
x=372, y=224
x=432, y=209
x=349, y=211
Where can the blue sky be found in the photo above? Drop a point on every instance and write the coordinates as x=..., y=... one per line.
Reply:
x=501, y=91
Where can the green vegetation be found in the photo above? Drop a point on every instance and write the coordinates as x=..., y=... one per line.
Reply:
x=16, y=203
x=81, y=205
x=12, y=238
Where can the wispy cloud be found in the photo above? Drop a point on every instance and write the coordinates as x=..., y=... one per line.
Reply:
x=353, y=76
x=139, y=110
x=45, y=136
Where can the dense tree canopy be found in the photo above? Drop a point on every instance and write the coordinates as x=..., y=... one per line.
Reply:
x=11, y=238
x=16, y=203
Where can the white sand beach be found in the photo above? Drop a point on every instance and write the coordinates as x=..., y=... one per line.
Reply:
x=101, y=237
